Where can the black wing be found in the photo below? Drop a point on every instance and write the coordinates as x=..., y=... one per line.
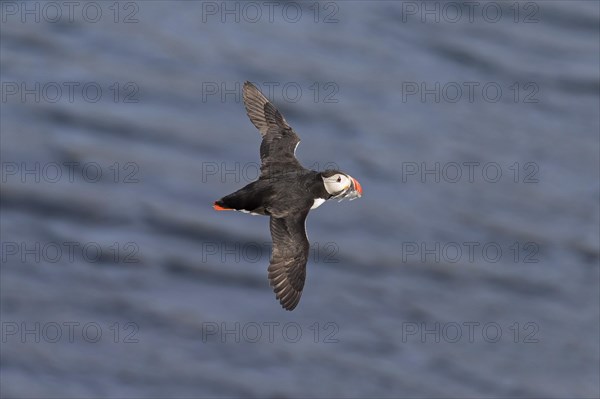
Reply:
x=278, y=147
x=287, y=270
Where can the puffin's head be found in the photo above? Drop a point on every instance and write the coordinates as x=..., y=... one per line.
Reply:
x=340, y=185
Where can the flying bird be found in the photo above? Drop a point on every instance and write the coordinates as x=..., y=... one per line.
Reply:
x=285, y=191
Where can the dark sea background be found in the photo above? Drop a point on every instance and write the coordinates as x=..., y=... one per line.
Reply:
x=161, y=296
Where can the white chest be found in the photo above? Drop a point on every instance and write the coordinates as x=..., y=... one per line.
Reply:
x=318, y=202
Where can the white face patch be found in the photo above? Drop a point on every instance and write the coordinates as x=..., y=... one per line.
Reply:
x=336, y=183
x=318, y=202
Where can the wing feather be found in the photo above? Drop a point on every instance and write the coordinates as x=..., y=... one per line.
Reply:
x=287, y=269
x=278, y=147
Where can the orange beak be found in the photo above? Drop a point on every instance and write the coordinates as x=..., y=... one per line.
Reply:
x=357, y=185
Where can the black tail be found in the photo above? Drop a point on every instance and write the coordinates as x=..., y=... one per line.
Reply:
x=248, y=199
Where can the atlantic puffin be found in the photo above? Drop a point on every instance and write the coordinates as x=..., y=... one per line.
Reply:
x=285, y=191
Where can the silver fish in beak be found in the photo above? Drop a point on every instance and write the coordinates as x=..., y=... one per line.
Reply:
x=352, y=192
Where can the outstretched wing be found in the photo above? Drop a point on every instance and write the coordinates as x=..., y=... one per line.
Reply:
x=278, y=147
x=287, y=270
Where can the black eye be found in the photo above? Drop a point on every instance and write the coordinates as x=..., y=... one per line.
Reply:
x=339, y=179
